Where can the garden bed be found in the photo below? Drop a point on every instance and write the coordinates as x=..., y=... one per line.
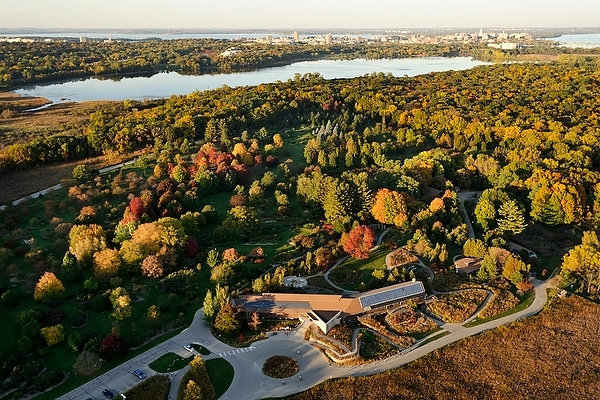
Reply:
x=457, y=306
x=280, y=367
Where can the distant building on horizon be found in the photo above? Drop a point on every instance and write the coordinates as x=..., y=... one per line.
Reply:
x=295, y=36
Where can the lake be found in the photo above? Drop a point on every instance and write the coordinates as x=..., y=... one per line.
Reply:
x=166, y=84
x=582, y=40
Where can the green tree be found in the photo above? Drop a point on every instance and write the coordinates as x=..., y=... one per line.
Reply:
x=511, y=218
x=489, y=269
x=227, y=321
x=70, y=271
x=340, y=204
x=242, y=220
x=81, y=173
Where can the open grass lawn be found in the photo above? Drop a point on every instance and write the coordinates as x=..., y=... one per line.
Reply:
x=201, y=349
x=169, y=362
x=221, y=374
x=352, y=272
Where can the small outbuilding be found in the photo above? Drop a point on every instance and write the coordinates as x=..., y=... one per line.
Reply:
x=467, y=265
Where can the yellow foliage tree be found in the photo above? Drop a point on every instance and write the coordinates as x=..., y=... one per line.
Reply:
x=49, y=289
x=106, y=264
x=390, y=208
x=85, y=240
x=53, y=334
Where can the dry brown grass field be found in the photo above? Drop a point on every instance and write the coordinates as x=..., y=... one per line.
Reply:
x=554, y=355
x=66, y=118
x=17, y=125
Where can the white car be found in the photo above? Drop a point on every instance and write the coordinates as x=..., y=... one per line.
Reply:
x=189, y=348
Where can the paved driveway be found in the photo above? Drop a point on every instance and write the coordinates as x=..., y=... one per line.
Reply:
x=250, y=383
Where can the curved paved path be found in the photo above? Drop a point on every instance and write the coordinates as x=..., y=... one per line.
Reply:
x=249, y=381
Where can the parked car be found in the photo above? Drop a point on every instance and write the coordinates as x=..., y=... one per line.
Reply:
x=189, y=348
x=108, y=393
x=138, y=372
x=532, y=254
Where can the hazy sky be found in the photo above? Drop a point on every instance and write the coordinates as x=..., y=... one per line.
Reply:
x=297, y=14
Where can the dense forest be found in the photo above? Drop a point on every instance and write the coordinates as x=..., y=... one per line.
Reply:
x=22, y=63
x=25, y=63
x=531, y=129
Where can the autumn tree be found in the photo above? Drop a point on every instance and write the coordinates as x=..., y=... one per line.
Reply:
x=49, y=289
x=107, y=263
x=359, y=241
x=87, y=363
x=137, y=208
x=53, y=334
x=121, y=304
x=254, y=322
x=324, y=257
x=475, y=248
x=514, y=269
x=192, y=391
x=583, y=262
x=152, y=267
x=113, y=347
x=230, y=255
x=212, y=257
x=390, y=208
x=222, y=273
x=511, y=218
x=227, y=321
x=85, y=241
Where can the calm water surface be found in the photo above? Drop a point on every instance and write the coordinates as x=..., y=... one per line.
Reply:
x=166, y=84
x=586, y=40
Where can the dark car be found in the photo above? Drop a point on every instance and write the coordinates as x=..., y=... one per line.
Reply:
x=108, y=393
x=138, y=372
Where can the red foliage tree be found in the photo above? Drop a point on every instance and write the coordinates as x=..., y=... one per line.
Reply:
x=224, y=158
x=137, y=207
x=272, y=161
x=113, y=346
x=241, y=171
x=359, y=241
x=191, y=249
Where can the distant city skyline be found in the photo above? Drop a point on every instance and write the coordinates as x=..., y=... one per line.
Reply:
x=296, y=15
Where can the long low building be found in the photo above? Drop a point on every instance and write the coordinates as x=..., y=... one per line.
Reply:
x=328, y=310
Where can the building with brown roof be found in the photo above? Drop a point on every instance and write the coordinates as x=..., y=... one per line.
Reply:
x=467, y=265
x=328, y=310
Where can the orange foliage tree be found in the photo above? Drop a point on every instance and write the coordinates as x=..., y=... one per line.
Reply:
x=390, y=208
x=359, y=241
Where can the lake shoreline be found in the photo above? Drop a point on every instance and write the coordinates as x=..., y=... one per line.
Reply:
x=166, y=83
